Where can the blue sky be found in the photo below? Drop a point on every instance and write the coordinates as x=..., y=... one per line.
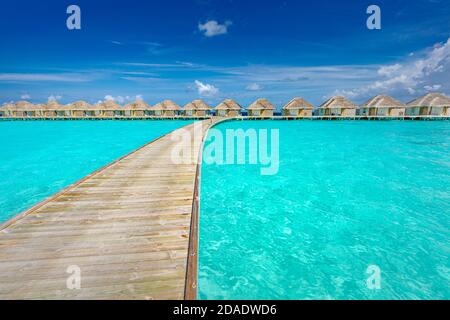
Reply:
x=211, y=49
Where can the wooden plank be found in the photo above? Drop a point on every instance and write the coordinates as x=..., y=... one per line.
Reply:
x=126, y=226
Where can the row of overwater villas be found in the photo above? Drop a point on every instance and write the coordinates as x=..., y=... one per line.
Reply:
x=432, y=104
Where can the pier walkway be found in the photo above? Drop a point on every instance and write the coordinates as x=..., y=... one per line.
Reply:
x=123, y=232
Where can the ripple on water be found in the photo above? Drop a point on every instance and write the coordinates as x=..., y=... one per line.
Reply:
x=347, y=195
x=39, y=158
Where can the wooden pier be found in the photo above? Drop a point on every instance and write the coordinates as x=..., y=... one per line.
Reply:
x=127, y=228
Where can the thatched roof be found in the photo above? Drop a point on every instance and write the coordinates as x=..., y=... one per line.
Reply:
x=108, y=105
x=80, y=105
x=338, y=102
x=166, y=105
x=298, y=103
x=229, y=104
x=137, y=105
x=383, y=101
x=54, y=105
x=261, y=104
x=158, y=107
x=8, y=106
x=431, y=100
x=23, y=105
x=197, y=105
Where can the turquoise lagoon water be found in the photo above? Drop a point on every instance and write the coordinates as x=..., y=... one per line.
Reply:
x=347, y=195
x=38, y=158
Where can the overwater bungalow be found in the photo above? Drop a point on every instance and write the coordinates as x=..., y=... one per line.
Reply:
x=81, y=109
x=228, y=108
x=382, y=106
x=109, y=108
x=157, y=110
x=34, y=110
x=24, y=109
x=7, y=110
x=94, y=111
x=3, y=111
x=137, y=109
x=166, y=108
x=171, y=108
x=337, y=106
x=298, y=107
x=431, y=104
x=261, y=108
x=37, y=110
x=197, y=108
x=98, y=110
x=53, y=109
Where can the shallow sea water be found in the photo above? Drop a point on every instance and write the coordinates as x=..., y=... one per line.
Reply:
x=348, y=195
x=39, y=158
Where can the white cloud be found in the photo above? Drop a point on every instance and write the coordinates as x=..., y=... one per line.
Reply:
x=212, y=28
x=407, y=77
x=254, y=87
x=206, y=90
x=25, y=96
x=118, y=99
x=291, y=74
x=387, y=71
x=427, y=71
x=122, y=99
x=54, y=98
x=434, y=87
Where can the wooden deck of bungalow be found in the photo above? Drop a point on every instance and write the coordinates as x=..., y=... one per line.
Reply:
x=130, y=228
